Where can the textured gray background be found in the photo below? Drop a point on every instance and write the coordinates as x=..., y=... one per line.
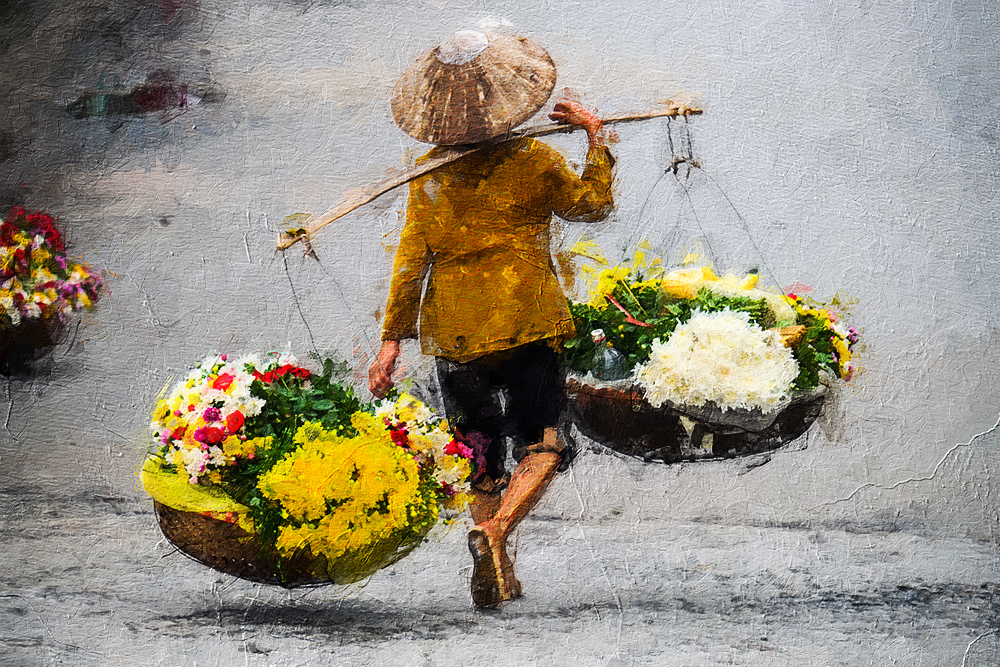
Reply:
x=858, y=140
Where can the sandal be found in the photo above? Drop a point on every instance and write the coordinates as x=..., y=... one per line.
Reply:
x=486, y=582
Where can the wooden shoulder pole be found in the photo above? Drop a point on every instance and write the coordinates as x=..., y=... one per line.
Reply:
x=358, y=197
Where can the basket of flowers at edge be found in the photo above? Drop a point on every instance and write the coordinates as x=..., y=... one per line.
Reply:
x=272, y=472
x=39, y=286
x=684, y=364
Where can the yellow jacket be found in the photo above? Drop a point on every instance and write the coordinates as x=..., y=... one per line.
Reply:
x=480, y=228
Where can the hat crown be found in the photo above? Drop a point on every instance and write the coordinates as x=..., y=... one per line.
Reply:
x=462, y=47
x=473, y=87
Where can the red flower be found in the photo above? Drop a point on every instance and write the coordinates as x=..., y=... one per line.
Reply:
x=223, y=381
x=7, y=230
x=234, y=421
x=281, y=371
x=21, y=259
x=212, y=434
x=295, y=371
x=399, y=437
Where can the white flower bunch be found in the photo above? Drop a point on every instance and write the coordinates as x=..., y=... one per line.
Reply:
x=722, y=357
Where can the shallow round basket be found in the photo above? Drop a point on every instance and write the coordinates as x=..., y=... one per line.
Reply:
x=622, y=420
x=21, y=344
x=226, y=547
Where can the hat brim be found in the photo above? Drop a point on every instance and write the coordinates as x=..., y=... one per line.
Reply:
x=465, y=103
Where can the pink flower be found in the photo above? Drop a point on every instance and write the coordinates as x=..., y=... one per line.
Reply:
x=455, y=448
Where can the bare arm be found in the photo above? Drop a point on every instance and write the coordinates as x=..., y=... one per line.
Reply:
x=380, y=372
x=586, y=198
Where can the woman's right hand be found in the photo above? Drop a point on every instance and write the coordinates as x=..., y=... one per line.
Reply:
x=575, y=113
x=380, y=372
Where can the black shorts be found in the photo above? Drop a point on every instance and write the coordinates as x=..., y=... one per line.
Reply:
x=532, y=380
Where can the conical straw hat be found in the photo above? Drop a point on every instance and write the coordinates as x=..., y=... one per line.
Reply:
x=472, y=88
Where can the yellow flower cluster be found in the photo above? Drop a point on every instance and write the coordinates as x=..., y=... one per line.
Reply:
x=681, y=283
x=234, y=446
x=829, y=322
x=345, y=493
x=844, y=354
x=607, y=281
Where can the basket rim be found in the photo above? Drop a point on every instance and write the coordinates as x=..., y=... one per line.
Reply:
x=709, y=413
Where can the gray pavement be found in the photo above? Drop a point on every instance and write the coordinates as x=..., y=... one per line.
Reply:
x=612, y=578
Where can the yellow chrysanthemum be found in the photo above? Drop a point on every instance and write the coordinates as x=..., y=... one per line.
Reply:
x=607, y=280
x=412, y=410
x=356, y=490
x=161, y=411
x=843, y=353
x=682, y=283
x=367, y=424
x=234, y=446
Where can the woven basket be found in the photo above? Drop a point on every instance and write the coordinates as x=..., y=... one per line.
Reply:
x=226, y=547
x=624, y=421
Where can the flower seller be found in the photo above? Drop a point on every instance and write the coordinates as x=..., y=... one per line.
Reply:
x=474, y=268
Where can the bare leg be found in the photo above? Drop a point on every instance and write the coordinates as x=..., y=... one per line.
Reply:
x=533, y=475
x=484, y=506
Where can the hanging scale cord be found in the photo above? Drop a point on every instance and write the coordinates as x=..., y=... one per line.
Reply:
x=686, y=157
x=340, y=290
x=298, y=304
